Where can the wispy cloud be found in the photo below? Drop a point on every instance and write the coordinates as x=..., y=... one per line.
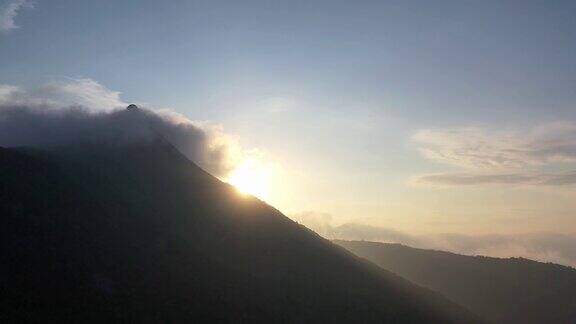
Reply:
x=489, y=156
x=9, y=11
x=456, y=179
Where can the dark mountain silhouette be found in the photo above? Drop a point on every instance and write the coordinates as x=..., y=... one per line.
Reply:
x=137, y=233
x=513, y=290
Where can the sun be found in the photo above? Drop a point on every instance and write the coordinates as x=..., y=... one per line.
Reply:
x=253, y=178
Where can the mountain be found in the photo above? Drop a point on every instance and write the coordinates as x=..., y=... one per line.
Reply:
x=513, y=290
x=135, y=232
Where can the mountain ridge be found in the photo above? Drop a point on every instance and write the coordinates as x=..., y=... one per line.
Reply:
x=504, y=290
x=139, y=233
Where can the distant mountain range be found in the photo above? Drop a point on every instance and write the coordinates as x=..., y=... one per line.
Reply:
x=136, y=233
x=513, y=290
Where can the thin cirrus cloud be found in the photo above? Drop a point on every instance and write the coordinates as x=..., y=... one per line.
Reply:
x=9, y=11
x=82, y=109
x=510, y=157
x=458, y=179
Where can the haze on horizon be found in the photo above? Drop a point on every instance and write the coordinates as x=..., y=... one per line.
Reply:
x=445, y=124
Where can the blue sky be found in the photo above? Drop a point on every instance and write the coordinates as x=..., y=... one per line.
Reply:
x=356, y=100
x=426, y=61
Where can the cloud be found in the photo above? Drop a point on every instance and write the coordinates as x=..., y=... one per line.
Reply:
x=474, y=179
x=352, y=231
x=83, y=110
x=564, y=179
x=9, y=11
x=458, y=179
x=475, y=148
x=320, y=223
x=83, y=92
x=516, y=157
x=545, y=247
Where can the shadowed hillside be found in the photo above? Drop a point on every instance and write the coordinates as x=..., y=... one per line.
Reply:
x=137, y=233
x=511, y=290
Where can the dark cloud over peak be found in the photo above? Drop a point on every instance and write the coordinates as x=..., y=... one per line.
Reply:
x=27, y=119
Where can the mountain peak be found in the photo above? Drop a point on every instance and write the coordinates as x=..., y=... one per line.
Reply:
x=138, y=233
x=132, y=107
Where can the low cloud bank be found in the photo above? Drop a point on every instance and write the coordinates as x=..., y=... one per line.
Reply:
x=545, y=247
x=83, y=110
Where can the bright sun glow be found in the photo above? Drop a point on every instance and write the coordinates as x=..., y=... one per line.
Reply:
x=252, y=177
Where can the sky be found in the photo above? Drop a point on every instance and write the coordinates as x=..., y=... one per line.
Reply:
x=424, y=118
